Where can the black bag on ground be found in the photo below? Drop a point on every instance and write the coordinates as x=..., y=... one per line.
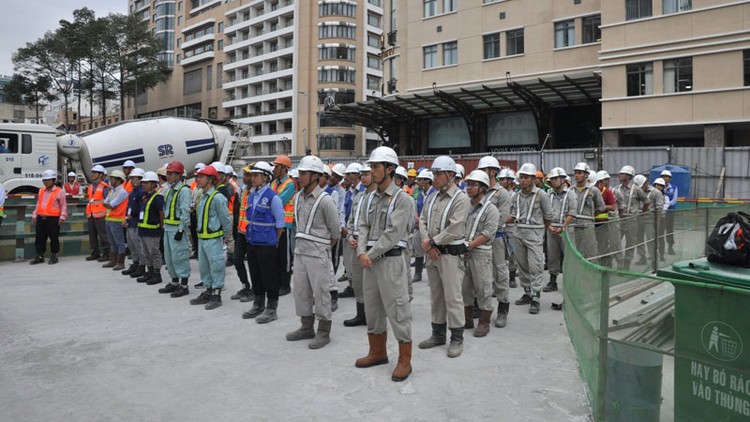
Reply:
x=729, y=242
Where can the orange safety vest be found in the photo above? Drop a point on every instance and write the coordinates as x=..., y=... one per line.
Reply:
x=242, y=224
x=409, y=189
x=49, y=208
x=72, y=189
x=193, y=185
x=289, y=206
x=128, y=186
x=117, y=214
x=96, y=208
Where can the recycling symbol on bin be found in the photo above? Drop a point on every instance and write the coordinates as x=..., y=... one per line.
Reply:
x=721, y=341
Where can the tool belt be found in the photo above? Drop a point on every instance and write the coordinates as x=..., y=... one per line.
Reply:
x=392, y=252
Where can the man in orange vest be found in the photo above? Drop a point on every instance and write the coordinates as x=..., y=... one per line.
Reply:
x=95, y=213
x=127, y=167
x=283, y=185
x=72, y=187
x=116, y=204
x=245, y=294
x=51, y=211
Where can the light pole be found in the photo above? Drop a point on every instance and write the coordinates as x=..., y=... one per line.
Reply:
x=317, y=112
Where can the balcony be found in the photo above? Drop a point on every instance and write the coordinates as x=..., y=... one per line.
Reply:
x=197, y=41
x=206, y=55
x=255, y=17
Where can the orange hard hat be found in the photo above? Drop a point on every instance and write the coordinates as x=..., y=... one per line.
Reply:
x=283, y=160
x=539, y=174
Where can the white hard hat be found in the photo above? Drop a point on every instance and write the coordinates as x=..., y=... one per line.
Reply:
x=199, y=166
x=72, y=174
x=229, y=170
x=49, y=174
x=665, y=173
x=528, y=169
x=628, y=170
x=488, y=162
x=460, y=170
x=592, y=178
x=99, y=169
x=582, y=167
x=602, y=175
x=401, y=171
x=567, y=178
x=660, y=181
x=339, y=169
x=507, y=174
x=383, y=155
x=118, y=174
x=311, y=163
x=366, y=168
x=443, y=163
x=137, y=172
x=128, y=163
x=262, y=167
x=150, y=176
x=353, y=168
x=556, y=172
x=639, y=180
x=218, y=166
x=425, y=174
x=294, y=173
x=479, y=176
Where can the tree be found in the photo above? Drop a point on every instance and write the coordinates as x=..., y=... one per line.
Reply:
x=23, y=90
x=81, y=35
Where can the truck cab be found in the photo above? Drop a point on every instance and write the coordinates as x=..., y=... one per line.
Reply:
x=26, y=150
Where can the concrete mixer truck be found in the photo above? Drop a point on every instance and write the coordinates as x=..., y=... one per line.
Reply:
x=27, y=150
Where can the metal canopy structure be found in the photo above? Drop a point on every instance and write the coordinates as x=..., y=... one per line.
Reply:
x=568, y=90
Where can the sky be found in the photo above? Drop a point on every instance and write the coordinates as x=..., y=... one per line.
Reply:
x=25, y=21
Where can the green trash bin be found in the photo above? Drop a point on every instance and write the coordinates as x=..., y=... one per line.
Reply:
x=712, y=337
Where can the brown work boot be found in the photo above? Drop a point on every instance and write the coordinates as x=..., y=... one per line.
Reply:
x=112, y=260
x=403, y=367
x=120, y=262
x=484, y=323
x=469, y=320
x=377, y=354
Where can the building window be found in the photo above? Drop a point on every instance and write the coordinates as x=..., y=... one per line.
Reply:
x=209, y=77
x=514, y=41
x=338, y=9
x=637, y=9
x=336, y=74
x=430, y=56
x=373, y=62
x=430, y=8
x=450, y=53
x=491, y=46
x=220, y=45
x=640, y=79
x=373, y=20
x=674, y=6
x=746, y=66
x=179, y=20
x=179, y=42
x=341, y=52
x=221, y=27
x=373, y=40
x=590, y=27
x=678, y=75
x=179, y=6
x=373, y=83
x=338, y=31
x=449, y=6
x=336, y=142
x=565, y=33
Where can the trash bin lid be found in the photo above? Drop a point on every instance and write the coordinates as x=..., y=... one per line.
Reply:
x=701, y=270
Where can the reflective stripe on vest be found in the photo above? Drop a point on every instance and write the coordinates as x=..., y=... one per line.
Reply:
x=96, y=208
x=145, y=224
x=171, y=220
x=357, y=209
x=262, y=225
x=475, y=226
x=242, y=222
x=391, y=207
x=444, y=217
x=528, y=224
x=117, y=214
x=49, y=208
x=308, y=225
x=72, y=189
x=205, y=232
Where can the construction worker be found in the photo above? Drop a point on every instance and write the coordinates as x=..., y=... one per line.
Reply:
x=338, y=171
x=136, y=269
x=353, y=179
x=653, y=222
x=442, y=227
x=500, y=198
x=481, y=227
x=72, y=187
x=641, y=182
x=605, y=224
x=245, y=294
x=634, y=201
x=150, y=228
x=329, y=183
x=424, y=179
x=506, y=179
x=539, y=182
x=401, y=176
x=589, y=203
x=116, y=204
x=412, y=187
x=163, y=186
x=127, y=169
x=50, y=213
x=460, y=177
x=671, y=193
x=265, y=216
x=284, y=186
x=176, y=223
x=384, y=227
x=95, y=213
x=531, y=212
x=196, y=191
x=563, y=201
x=318, y=229
x=223, y=171
x=213, y=223
x=358, y=205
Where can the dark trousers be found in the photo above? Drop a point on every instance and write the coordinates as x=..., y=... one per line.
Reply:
x=98, y=236
x=240, y=254
x=263, y=271
x=194, y=231
x=285, y=258
x=47, y=227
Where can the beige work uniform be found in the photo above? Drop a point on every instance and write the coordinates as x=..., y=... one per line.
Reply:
x=588, y=200
x=500, y=198
x=352, y=226
x=654, y=223
x=347, y=253
x=563, y=205
x=633, y=200
x=530, y=212
x=443, y=220
x=383, y=234
x=317, y=219
x=478, y=276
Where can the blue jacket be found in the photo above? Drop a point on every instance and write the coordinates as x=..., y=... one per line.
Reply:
x=265, y=214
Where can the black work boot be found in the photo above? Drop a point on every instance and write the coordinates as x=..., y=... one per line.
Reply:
x=334, y=300
x=155, y=277
x=202, y=298
x=534, y=308
x=131, y=269
x=245, y=294
x=38, y=260
x=512, y=279
x=171, y=287
x=93, y=257
x=526, y=298
x=475, y=310
x=348, y=292
x=257, y=308
x=215, y=300
x=418, y=267
x=502, y=314
x=146, y=275
x=139, y=272
x=53, y=259
x=182, y=289
x=269, y=314
x=457, y=343
x=358, y=319
x=552, y=285
x=437, y=338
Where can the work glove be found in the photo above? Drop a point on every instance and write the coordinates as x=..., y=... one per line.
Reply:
x=178, y=236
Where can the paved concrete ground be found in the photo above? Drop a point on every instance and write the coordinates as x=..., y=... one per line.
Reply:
x=78, y=342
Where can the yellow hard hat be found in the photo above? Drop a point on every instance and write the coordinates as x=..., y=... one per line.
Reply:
x=412, y=173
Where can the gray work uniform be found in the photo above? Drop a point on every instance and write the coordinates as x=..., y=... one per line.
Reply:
x=588, y=200
x=613, y=226
x=347, y=250
x=407, y=256
x=478, y=276
x=508, y=234
x=653, y=223
x=384, y=229
x=633, y=200
x=317, y=219
x=563, y=205
x=500, y=198
x=443, y=221
x=530, y=212
x=352, y=226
